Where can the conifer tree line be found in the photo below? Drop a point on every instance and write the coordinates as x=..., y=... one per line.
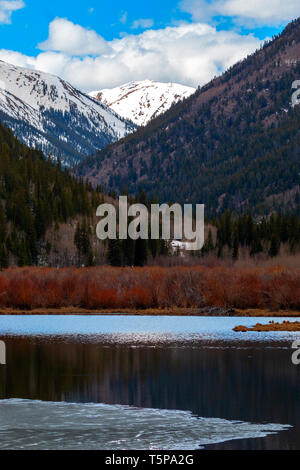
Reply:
x=263, y=235
x=260, y=236
x=135, y=252
x=234, y=232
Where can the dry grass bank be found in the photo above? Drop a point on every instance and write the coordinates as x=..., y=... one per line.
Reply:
x=271, y=326
x=150, y=288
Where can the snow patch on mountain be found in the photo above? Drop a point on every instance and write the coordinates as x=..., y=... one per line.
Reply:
x=142, y=101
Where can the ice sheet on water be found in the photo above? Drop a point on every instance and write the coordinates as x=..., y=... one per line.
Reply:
x=27, y=424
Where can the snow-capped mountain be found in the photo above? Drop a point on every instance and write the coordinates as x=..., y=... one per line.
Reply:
x=46, y=112
x=142, y=101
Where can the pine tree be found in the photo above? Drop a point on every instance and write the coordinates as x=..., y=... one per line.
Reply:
x=153, y=247
x=40, y=222
x=3, y=239
x=275, y=245
x=114, y=254
x=128, y=249
x=141, y=249
x=82, y=240
x=235, y=248
x=163, y=247
x=209, y=242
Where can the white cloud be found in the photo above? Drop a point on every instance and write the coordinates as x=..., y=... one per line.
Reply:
x=190, y=54
x=7, y=7
x=65, y=36
x=143, y=23
x=246, y=12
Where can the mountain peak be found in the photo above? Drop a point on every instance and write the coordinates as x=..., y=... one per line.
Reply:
x=141, y=101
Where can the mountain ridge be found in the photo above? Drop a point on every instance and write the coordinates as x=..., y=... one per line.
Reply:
x=46, y=112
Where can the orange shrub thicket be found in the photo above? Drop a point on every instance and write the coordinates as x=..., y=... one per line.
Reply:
x=150, y=287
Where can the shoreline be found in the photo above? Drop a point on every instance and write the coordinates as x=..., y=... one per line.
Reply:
x=203, y=312
x=271, y=326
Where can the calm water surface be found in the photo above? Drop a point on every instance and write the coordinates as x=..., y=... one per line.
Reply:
x=130, y=382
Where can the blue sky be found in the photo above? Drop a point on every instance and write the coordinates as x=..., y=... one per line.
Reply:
x=125, y=36
x=30, y=24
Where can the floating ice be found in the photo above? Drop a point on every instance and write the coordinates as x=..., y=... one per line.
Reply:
x=26, y=424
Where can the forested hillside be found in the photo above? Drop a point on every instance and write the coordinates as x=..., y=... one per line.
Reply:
x=35, y=196
x=234, y=144
x=48, y=218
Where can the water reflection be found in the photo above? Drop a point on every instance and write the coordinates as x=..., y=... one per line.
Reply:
x=252, y=383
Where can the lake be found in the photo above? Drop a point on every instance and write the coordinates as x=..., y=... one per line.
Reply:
x=134, y=382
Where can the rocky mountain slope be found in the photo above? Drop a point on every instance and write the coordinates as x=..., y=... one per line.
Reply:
x=142, y=101
x=46, y=112
x=234, y=144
